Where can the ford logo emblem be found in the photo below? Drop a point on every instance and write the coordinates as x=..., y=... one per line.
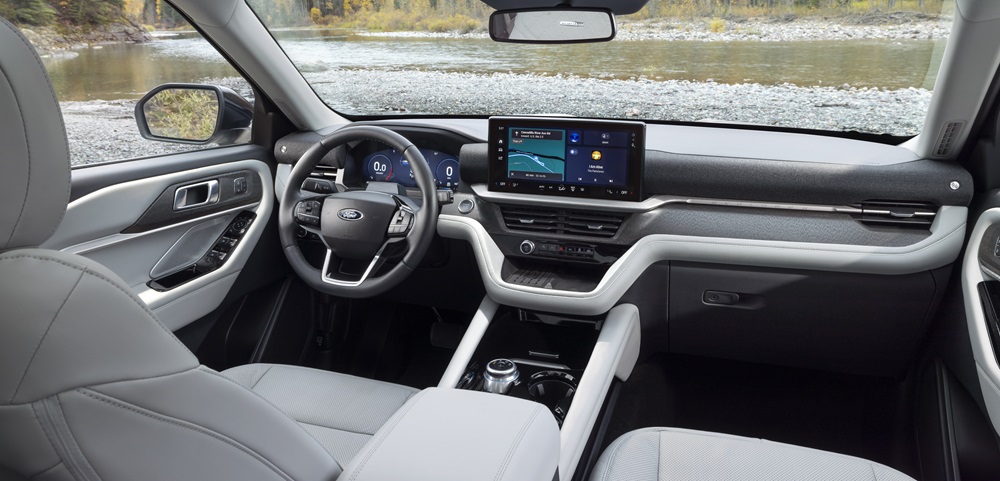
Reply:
x=350, y=214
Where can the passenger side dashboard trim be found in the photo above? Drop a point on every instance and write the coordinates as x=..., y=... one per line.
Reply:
x=939, y=249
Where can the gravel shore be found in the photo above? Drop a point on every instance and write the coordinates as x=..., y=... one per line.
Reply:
x=887, y=27
x=106, y=130
x=777, y=30
x=898, y=112
x=102, y=130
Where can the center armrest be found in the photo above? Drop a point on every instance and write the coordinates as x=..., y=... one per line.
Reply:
x=449, y=434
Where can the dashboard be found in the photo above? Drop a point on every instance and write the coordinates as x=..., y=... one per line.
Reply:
x=389, y=165
x=692, y=223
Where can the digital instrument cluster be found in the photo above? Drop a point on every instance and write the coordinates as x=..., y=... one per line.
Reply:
x=390, y=166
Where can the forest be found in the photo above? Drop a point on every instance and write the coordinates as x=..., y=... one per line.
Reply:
x=432, y=15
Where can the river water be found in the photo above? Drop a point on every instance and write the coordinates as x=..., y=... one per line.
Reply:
x=126, y=71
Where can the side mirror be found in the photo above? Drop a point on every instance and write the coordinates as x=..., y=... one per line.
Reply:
x=193, y=114
x=553, y=25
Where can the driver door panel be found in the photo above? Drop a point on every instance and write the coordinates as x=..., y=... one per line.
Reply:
x=144, y=230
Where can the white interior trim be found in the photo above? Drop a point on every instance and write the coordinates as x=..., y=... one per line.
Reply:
x=979, y=337
x=470, y=341
x=970, y=60
x=614, y=355
x=940, y=248
x=94, y=223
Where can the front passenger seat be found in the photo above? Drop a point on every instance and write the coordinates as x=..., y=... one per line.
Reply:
x=94, y=388
x=671, y=454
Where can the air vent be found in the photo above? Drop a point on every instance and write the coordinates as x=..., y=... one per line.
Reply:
x=946, y=140
x=324, y=172
x=898, y=214
x=559, y=221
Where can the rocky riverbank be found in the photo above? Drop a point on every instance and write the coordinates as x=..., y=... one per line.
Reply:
x=64, y=39
x=891, y=26
x=785, y=29
x=105, y=130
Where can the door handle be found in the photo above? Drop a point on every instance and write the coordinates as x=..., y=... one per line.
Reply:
x=194, y=195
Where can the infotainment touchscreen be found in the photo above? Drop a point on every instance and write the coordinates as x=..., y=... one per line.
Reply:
x=573, y=158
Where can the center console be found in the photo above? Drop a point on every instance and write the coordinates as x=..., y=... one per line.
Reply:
x=533, y=356
x=530, y=388
x=564, y=363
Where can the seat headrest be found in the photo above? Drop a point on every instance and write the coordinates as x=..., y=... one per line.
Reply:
x=34, y=154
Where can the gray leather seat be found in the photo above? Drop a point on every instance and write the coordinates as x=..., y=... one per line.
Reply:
x=667, y=454
x=93, y=387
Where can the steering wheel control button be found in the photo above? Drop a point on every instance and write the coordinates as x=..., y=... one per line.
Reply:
x=527, y=247
x=307, y=212
x=500, y=376
x=466, y=206
x=400, y=224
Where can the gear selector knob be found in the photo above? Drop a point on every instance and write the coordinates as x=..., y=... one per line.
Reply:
x=500, y=376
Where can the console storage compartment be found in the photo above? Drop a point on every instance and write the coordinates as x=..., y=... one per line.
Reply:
x=450, y=434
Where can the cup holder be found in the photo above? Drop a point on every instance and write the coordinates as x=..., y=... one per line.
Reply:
x=554, y=389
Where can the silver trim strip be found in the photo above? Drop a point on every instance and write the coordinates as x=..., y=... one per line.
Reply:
x=111, y=240
x=337, y=282
x=543, y=354
x=546, y=365
x=989, y=272
x=650, y=203
x=181, y=195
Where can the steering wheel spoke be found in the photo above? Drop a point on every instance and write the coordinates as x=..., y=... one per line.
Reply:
x=333, y=268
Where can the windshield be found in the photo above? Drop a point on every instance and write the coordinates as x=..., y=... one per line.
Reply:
x=837, y=65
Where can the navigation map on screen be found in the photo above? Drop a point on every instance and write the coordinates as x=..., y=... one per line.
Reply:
x=537, y=154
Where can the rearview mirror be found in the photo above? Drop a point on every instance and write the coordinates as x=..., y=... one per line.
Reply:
x=552, y=25
x=194, y=114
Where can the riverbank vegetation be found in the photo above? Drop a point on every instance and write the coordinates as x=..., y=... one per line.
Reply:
x=470, y=15
x=87, y=15
x=438, y=15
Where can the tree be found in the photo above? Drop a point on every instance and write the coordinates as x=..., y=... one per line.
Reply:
x=90, y=12
x=31, y=12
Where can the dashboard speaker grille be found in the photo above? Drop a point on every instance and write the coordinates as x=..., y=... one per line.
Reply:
x=561, y=221
x=946, y=140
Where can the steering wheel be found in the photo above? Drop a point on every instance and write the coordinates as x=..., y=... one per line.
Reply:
x=362, y=229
